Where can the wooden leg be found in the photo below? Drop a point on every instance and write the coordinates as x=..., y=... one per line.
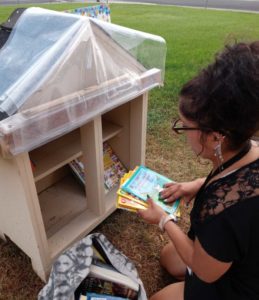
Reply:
x=40, y=270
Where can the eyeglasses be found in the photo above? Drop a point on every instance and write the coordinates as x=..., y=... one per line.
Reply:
x=178, y=127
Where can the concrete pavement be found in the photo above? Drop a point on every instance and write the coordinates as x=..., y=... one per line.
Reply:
x=245, y=5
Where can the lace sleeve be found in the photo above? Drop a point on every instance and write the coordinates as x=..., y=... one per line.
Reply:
x=228, y=213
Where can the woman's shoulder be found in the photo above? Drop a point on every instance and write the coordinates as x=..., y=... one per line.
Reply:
x=236, y=187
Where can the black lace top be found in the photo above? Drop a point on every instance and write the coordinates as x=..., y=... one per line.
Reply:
x=225, y=219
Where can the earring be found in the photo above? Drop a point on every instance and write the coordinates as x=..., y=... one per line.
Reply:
x=218, y=154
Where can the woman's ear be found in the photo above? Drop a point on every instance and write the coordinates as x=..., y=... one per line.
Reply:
x=214, y=139
x=218, y=137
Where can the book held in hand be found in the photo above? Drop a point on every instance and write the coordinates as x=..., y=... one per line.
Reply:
x=141, y=184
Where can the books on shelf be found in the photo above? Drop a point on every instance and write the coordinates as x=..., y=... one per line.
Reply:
x=141, y=183
x=77, y=167
x=113, y=168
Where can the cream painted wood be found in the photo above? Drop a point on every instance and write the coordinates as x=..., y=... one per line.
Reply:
x=93, y=161
x=121, y=142
x=20, y=216
x=138, y=124
x=52, y=178
x=46, y=210
x=54, y=155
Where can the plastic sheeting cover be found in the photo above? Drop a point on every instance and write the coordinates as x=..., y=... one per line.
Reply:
x=60, y=70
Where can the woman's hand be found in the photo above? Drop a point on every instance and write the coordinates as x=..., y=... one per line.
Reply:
x=183, y=190
x=153, y=213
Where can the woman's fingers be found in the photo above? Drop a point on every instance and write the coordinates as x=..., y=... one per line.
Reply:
x=153, y=213
x=171, y=198
x=170, y=193
x=166, y=185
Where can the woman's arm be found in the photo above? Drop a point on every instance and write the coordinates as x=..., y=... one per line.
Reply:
x=193, y=255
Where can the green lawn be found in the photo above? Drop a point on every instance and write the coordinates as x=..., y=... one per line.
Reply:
x=192, y=36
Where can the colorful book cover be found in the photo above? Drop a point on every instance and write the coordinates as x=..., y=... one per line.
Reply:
x=123, y=194
x=113, y=167
x=100, y=286
x=95, y=296
x=128, y=204
x=127, y=175
x=145, y=182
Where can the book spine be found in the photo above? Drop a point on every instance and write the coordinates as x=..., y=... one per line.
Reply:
x=78, y=170
x=94, y=296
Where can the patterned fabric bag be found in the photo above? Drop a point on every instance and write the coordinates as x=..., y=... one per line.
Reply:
x=72, y=266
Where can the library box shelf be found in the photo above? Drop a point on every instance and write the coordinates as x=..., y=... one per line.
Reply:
x=67, y=95
x=47, y=206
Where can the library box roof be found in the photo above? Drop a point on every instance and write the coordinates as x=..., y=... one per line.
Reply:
x=60, y=70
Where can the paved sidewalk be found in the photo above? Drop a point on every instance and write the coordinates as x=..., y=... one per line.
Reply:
x=240, y=5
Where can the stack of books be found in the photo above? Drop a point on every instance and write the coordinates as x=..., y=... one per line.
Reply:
x=104, y=282
x=113, y=168
x=138, y=185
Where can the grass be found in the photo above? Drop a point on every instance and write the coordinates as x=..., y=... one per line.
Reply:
x=193, y=36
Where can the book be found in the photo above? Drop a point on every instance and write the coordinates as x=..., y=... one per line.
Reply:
x=97, y=255
x=95, y=296
x=77, y=167
x=104, y=271
x=105, y=287
x=103, y=278
x=113, y=168
x=144, y=183
x=129, y=204
x=126, y=200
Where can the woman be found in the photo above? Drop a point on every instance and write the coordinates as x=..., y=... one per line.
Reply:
x=219, y=113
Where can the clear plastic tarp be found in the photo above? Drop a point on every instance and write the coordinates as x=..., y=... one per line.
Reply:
x=60, y=70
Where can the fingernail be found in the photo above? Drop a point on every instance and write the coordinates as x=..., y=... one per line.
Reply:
x=160, y=197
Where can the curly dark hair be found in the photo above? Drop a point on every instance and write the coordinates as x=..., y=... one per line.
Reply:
x=225, y=95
